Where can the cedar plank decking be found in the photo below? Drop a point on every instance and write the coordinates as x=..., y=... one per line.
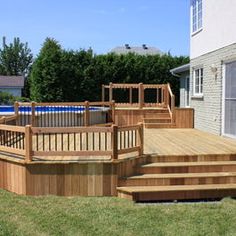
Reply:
x=166, y=142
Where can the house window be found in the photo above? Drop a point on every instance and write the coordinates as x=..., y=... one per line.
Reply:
x=198, y=82
x=196, y=15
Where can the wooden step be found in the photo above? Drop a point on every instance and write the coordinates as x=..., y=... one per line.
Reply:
x=179, y=179
x=159, y=125
x=187, y=167
x=158, y=111
x=157, y=120
x=158, y=115
x=180, y=192
x=192, y=158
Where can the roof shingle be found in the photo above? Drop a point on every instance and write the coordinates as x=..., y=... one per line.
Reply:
x=11, y=81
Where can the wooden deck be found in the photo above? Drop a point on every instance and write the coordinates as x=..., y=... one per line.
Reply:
x=184, y=164
x=180, y=164
x=166, y=142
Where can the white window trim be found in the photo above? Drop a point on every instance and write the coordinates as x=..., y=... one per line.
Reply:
x=199, y=29
x=223, y=101
x=197, y=95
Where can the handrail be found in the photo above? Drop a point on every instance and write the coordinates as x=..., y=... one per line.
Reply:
x=171, y=102
x=5, y=119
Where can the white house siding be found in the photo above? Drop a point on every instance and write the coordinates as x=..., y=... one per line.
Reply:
x=208, y=111
x=219, y=21
x=14, y=91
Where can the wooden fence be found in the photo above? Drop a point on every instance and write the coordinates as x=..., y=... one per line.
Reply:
x=140, y=95
x=30, y=142
x=64, y=114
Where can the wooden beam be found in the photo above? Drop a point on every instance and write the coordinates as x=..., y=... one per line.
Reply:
x=141, y=95
x=110, y=92
x=33, y=114
x=103, y=93
x=86, y=113
x=130, y=95
x=16, y=110
x=28, y=143
x=140, y=139
x=114, y=142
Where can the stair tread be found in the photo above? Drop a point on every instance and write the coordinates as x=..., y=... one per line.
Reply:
x=195, y=163
x=138, y=189
x=181, y=175
x=157, y=118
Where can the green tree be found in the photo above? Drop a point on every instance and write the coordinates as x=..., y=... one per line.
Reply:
x=15, y=58
x=67, y=75
x=46, y=81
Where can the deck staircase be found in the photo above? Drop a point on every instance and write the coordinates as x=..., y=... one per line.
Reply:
x=181, y=178
x=161, y=119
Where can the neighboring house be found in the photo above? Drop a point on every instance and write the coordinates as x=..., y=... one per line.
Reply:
x=213, y=66
x=143, y=50
x=12, y=84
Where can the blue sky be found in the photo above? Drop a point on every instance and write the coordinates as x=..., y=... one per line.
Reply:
x=100, y=24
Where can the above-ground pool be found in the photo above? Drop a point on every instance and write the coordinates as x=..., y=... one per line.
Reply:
x=57, y=116
x=10, y=109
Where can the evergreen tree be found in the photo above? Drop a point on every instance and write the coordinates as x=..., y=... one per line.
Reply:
x=46, y=82
x=15, y=58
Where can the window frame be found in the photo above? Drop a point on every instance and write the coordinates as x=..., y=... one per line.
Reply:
x=199, y=91
x=198, y=20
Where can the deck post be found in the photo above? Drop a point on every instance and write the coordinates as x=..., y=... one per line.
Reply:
x=86, y=113
x=140, y=95
x=28, y=143
x=33, y=114
x=168, y=97
x=110, y=92
x=16, y=110
x=140, y=138
x=113, y=111
x=114, y=144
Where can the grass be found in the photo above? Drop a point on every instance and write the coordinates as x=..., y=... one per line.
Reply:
x=20, y=215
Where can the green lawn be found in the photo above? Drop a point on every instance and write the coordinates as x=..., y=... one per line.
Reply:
x=21, y=215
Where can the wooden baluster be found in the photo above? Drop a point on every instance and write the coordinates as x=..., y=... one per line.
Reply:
x=114, y=142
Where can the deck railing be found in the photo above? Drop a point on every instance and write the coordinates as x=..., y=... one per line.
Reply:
x=45, y=142
x=13, y=139
x=64, y=114
x=139, y=95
